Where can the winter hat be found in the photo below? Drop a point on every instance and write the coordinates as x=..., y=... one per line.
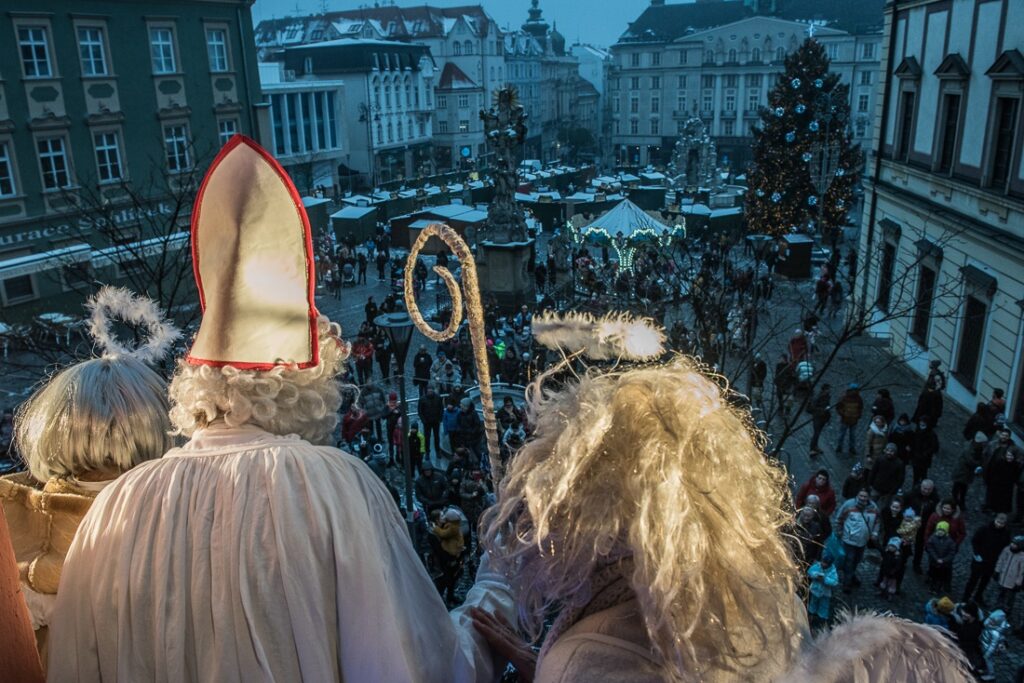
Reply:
x=909, y=513
x=466, y=403
x=943, y=527
x=895, y=542
x=392, y=396
x=944, y=606
x=857, y=468
x=853, y=385
x=979, y=437
x=1018, y=541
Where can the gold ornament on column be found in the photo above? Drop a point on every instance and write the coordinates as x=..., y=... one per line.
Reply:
x=477, y=330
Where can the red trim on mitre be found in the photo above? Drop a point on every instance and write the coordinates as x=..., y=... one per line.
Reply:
x=314, y=336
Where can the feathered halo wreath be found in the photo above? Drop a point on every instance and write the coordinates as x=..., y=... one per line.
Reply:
x=615, y=337
x=111, y=303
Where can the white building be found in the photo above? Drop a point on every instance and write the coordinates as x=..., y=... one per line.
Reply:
x=945, y=196
x=718, y=59
x=388, y=103
x=307, y=128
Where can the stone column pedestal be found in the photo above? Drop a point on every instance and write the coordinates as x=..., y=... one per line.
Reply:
x=504, y=272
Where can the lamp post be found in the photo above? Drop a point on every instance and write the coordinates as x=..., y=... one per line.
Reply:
x=398, y=327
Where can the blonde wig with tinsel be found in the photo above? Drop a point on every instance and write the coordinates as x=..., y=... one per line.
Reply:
x=105, y=415
x=651, y=463
x=283, y=400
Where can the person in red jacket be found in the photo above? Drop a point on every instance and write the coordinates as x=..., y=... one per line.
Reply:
x=818, y=485
x=947, y=512
x=353, y=422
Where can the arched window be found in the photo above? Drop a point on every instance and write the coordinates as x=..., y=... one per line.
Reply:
x=391, y=132
x=400, y=130
x=467, y=48
x=380, y=133
x=709, y=56
x=375, y=87
x=780, y=54
x=387, y=94
x=408, y=93
x=456, y=48
x=755, y=55
x=732, y=56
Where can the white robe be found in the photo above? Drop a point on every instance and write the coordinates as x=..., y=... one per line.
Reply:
x=245, y=556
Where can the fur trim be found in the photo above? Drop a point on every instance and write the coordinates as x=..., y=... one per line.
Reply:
x=878, y=649
x=611, y=337
x=117, y=302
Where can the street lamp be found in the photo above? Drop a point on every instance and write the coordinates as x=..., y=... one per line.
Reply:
x=398, y=327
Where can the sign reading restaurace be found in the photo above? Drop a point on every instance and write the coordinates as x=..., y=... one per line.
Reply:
x=119, y=218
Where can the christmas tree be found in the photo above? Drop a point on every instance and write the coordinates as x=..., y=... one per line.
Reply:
x=805, y=163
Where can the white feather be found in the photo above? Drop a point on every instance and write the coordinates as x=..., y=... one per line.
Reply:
x=610, y=337
x=116, y=302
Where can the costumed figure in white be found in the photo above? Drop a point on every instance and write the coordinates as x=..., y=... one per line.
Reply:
x=88, y=424
x=254, y=553
x=644, y=514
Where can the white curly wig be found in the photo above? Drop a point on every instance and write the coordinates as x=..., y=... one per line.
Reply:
x=104, y=415
x=653, y=464
x=284, y=400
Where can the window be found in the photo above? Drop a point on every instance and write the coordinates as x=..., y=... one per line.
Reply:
x=634, y=83
x=947, y=141
x=680, y=127
x=1002, y=141
x=463, y=125
x=35, y=51
x=456, y=48
x=728, y=127
x=867, y=51
x=91, y=50
x=753, y=99
x=634, y=105
x=709, y=57
x=861, y=128
x=865, y=78
x=463, y=101
x=634, y=59
x=17, y=289
x=442, y=101
x=108, y=156
x=227, y=128
x=401, y=131
x=906, y=122
x=707, y=101
x=616, y=105
x=681, y=103
x=7, y=186
x=682, y=56
x=707, y=81
x=753, y=80
x=655, y=59
x=972, y=332
x=780, y=54
x=176, y=147
x=885, y=275
x=655, y=105
x=923, y=305
x=732, y=56
x=681, y=82
x=655, y=82
x=730, y=101
x=732, y=81
x=655, y=126
x=53, y=162
x=217, y=49
x=755, y=55
x=161, y=50
x=862, y=103
x=467, y=48
x=442, y=126
x=832, y=50
x=617, y=128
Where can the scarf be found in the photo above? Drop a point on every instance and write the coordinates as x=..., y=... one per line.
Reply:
x=880, y=431
x=608, y=586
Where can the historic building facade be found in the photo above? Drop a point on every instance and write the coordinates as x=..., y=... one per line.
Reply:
x=717, y=59
x=466, y=38
x=101, y=134
x=943, y=227
x=387, y=109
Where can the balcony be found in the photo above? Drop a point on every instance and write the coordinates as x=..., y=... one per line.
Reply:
x=680, y=114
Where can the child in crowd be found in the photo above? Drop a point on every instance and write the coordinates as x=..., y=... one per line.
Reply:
x=824, y=578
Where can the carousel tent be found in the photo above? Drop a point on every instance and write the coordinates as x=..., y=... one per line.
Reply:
x=627, y=218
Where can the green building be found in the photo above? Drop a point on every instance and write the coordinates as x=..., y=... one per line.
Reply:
x=110, y=113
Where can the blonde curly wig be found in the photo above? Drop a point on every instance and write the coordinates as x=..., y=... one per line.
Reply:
x=104, y=415
x=284, y=400
x=652, y=463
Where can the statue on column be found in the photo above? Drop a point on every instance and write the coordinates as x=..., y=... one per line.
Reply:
x=505, y=130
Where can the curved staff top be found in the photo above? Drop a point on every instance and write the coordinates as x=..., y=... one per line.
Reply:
x=252, y=254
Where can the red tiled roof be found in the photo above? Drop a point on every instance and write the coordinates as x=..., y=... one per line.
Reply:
x=454, y=78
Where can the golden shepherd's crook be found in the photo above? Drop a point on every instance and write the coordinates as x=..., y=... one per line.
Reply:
x=477, y=331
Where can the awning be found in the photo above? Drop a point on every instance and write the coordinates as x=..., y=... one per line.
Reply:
x=134, y=250
x=30, y=264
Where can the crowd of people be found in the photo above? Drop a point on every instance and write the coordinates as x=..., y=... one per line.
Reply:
x=893, y=507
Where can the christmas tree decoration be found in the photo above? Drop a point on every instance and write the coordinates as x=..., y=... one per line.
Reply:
x=805, y=165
